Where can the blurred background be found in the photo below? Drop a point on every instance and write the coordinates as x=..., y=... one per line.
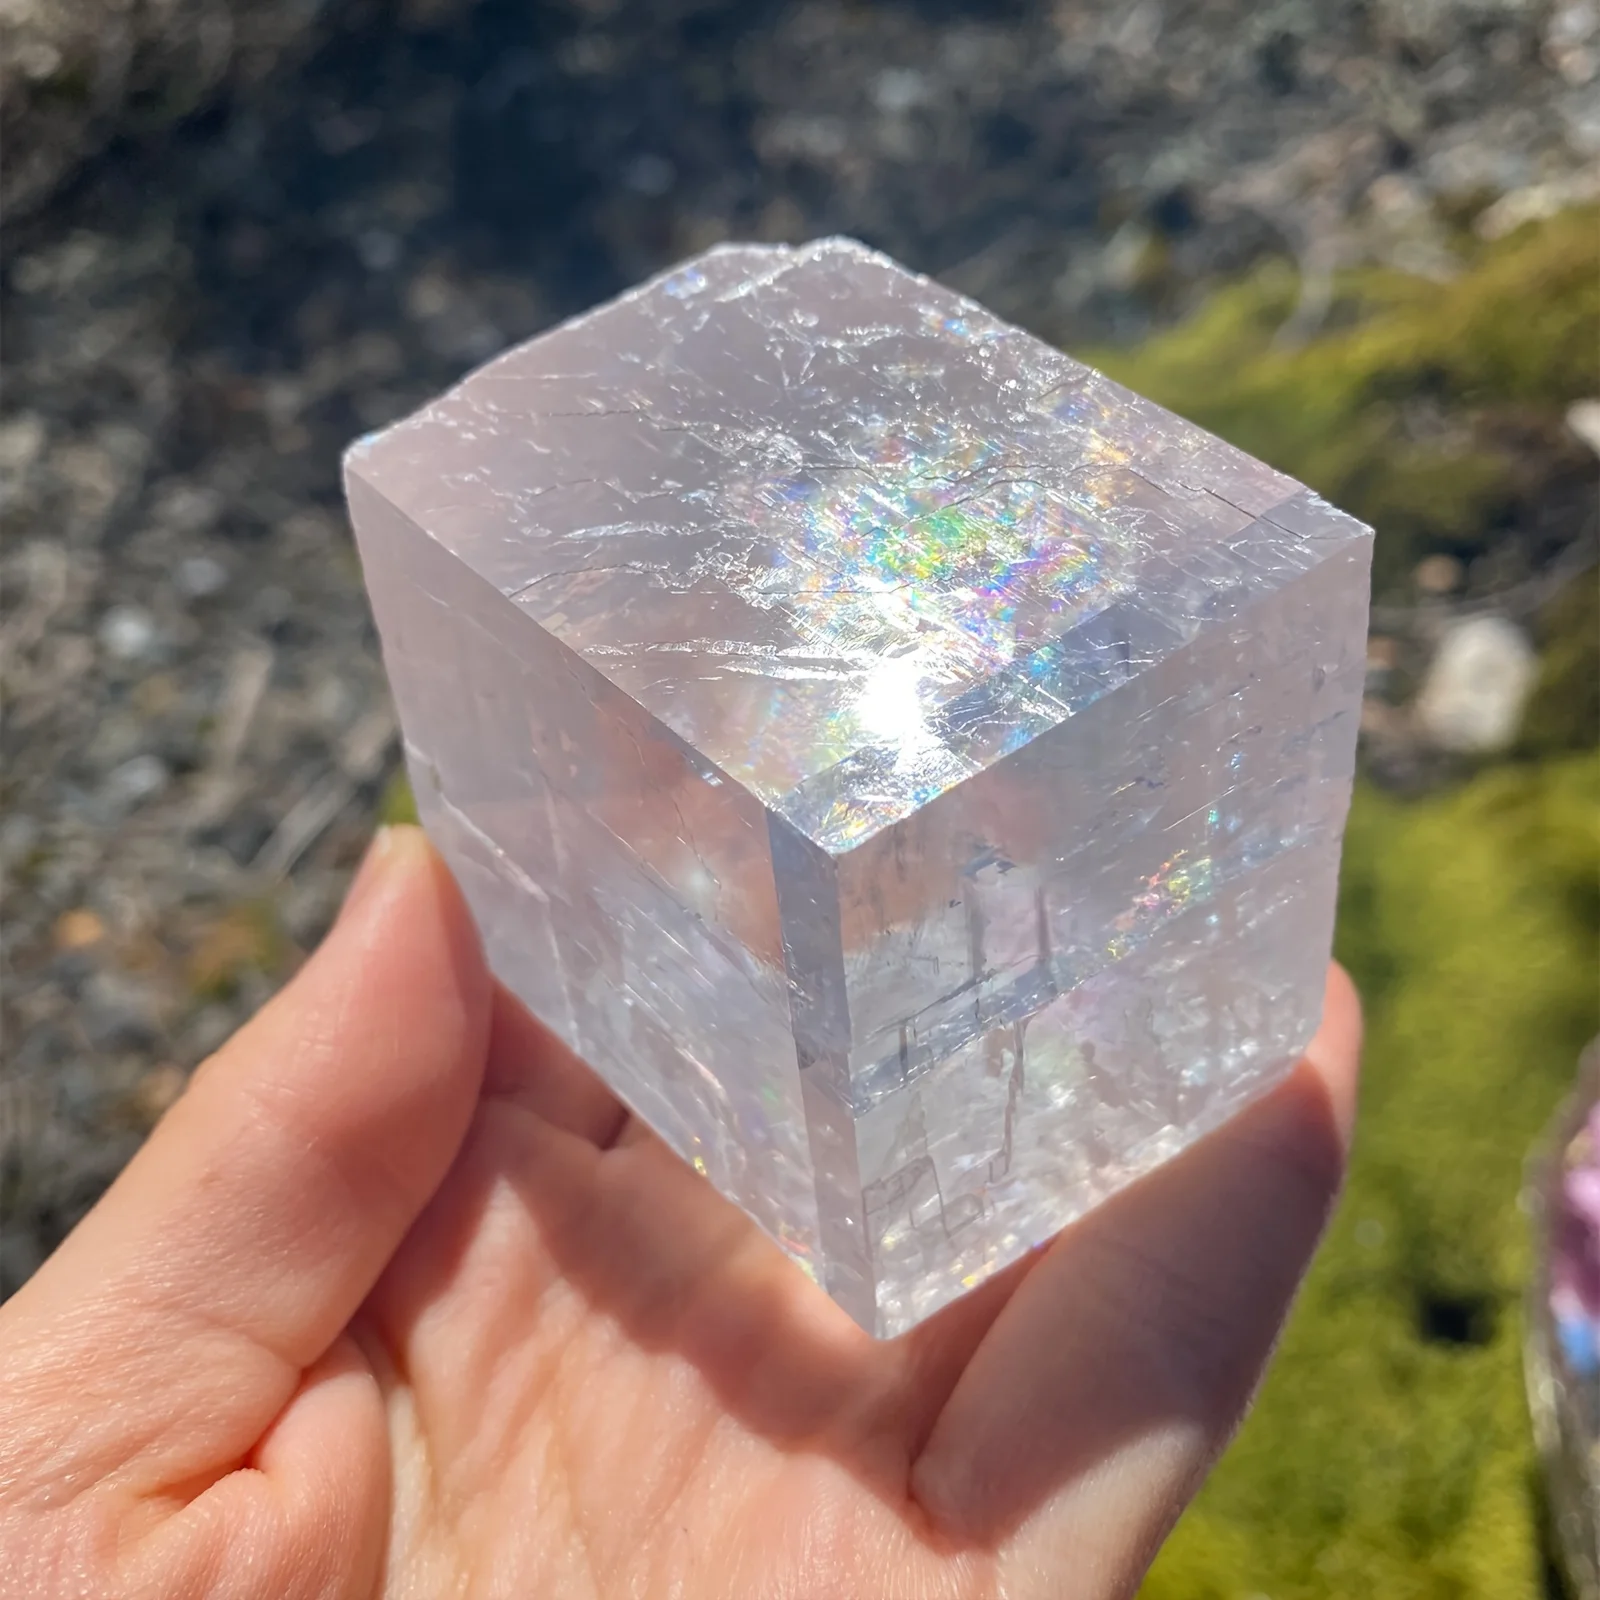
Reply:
x=1357, y=237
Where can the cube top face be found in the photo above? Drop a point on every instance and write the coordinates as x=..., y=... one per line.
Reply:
x=907, y=767
x=850, y=537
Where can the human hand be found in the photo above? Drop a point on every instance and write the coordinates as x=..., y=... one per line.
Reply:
x=397, y=1300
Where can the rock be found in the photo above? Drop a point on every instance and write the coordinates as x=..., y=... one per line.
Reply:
x=118, y=1012
x=21, y=442
x=207, y=1030
x=1583, y=418
x=1537, y=201
x=906, y=781
x=135, y=781
x=129, y=633
x=650, y=175
x=79, y=929
x=1382, y=655
x=1572, y=41
x=198, y=577
x=19, y=833
x=1476, y=686
x=1438, y=575
x=158, y=1090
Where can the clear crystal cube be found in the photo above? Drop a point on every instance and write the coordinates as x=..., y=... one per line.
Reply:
x=908, y=767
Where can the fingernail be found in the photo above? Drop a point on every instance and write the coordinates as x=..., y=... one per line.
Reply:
x=370, y=873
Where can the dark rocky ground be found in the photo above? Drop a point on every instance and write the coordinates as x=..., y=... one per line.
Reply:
x=201, y=316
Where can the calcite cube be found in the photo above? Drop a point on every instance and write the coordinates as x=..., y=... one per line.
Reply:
x=908, y=767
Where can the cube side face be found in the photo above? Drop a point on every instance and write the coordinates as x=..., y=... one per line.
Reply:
x=1064, y=970
x=625, y=891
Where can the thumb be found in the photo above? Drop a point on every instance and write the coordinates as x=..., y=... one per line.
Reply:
x=177, y=1321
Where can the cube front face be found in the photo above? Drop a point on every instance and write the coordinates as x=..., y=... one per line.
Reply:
x=907, y=767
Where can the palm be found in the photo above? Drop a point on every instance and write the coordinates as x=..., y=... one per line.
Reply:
x=603, y=1380
x=601, y=1369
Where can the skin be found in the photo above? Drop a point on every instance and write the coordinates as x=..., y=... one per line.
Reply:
x=397, y=1300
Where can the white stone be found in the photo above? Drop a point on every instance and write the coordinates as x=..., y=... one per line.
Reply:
x=129, y=633
x=1583, y=417
x=1476, y=686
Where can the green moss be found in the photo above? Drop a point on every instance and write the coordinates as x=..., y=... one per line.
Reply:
x=1564, y=711
x=397, y=803
x=1430, y=410
x=1390, y=1453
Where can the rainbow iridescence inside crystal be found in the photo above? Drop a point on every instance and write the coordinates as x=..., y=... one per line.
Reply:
x=928, y=543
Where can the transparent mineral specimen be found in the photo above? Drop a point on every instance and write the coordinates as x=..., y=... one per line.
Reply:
x=908, y=767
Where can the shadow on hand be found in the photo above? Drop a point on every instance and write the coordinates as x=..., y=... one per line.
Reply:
x=1153, y=1314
